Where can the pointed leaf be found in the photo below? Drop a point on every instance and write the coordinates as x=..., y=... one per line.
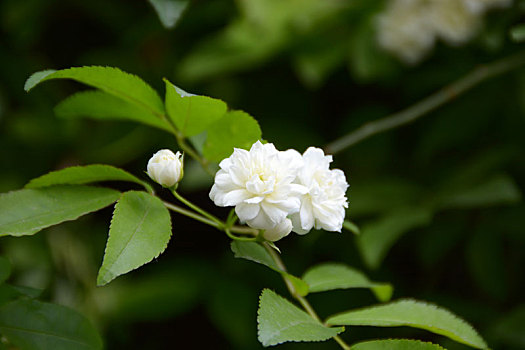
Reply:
x=33, y=325
x=139, y=232
x=396, y=344
x=77, y=175
x=169, y=11
x=280, y=321
x=236, y=129
x=28, y=211
x=111, y=80
x=331, y=276
x=190, y=113
x=377, y=237
x=104, y=106
x=415, y=314
x=255, y=252
x=350, y=226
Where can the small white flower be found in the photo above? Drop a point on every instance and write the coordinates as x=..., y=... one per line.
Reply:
x=259, y=183
x=479, y=6
x=166, y=167
x=323, y=207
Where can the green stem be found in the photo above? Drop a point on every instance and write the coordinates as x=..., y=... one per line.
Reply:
x=190, y=214
x=430, y=103
x=302, y=300
x=198, y=210
x=191, y=152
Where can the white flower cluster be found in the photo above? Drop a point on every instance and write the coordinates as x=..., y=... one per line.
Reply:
x=409, y=28
x=282, y=191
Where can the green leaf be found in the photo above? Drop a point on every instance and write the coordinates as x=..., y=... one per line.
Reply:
x=33, y=325
x=77, y=175
x=498, y=190
x=5, y=269
x=111, y=80
x=517, y=33
x=104, y=106
x=139, y=232
x=255, y=252
x=9, y=292
x=396, y=344
x=331, y=276
x=169, y=11
x=415, y=314
x=280, y=321
x=235, y=129
x=190, y=113
x=378, y=236
x=28, y=211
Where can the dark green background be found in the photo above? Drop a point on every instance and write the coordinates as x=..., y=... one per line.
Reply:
x=468, y=258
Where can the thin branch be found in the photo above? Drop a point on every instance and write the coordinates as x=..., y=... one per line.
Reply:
x=428, y=104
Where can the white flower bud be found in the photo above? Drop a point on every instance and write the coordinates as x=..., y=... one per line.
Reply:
x=166, y=167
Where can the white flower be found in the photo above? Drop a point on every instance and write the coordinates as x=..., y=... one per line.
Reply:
x=453, y=21
x=403, y=29
x=479, y=6
x=323, y=207
x=166, y=167
x=259, y=183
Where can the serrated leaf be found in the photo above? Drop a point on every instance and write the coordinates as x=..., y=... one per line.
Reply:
x=140, y=231
x=415, y=314
x=377, y=237
x=330, y=276
x=169, y=11
x=77, y=175
x=395, y=344
x=104, y=106
x=112, y=80
x=236, y=129
x=190, y=113
x=255, y=252
x=5, y=269
x=33, y=325
x=28, y=211
x=281, y=321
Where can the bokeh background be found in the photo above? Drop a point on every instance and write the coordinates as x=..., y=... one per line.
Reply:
x=439, y=201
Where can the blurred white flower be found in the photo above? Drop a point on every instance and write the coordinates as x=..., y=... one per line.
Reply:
x=453, y=22
x=410, y=28
x=259, y=183
x=323, y=206
x=166, y=167
x=404, y=30
x=479, y=6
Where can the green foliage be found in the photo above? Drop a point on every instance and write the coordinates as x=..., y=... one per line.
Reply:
x=396, y=344
x=413, y=314
x=169, y=11
x=33, y=325
x=235, y=129
x=78, y=175
x=190, y=113
x=28, y=211
x=517, y=33
x=105, y=106
x=111, y=80
x=352, y=227
x=5, y=269
x=280, y=321
x=330, y=276
x=496, y=190
x=255, y=252
x=377, y=237
x=139, y=232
